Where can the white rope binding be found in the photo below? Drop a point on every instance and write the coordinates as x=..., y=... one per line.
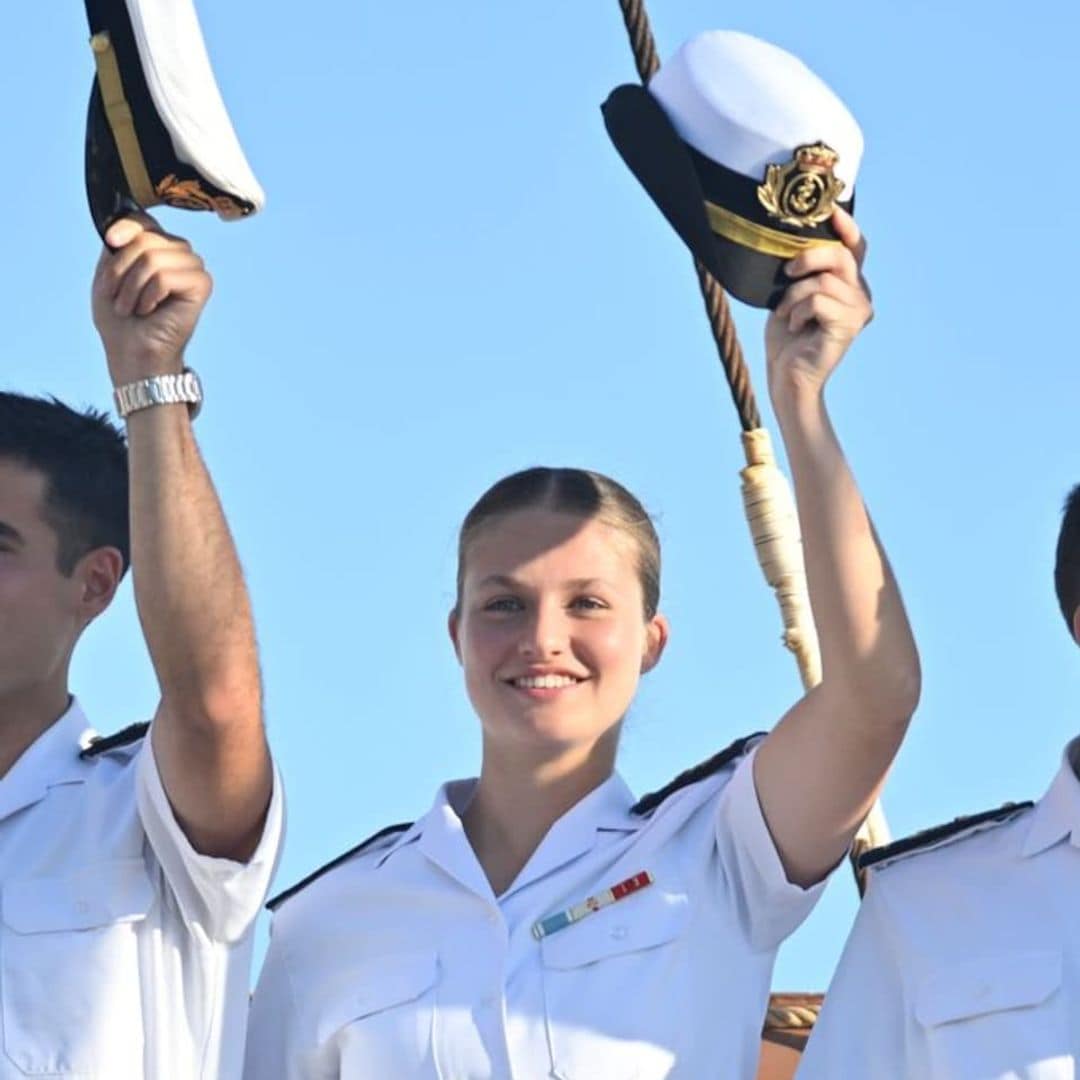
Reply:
x=774, y=527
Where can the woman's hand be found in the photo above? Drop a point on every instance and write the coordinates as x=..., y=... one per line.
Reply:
x=822, y=312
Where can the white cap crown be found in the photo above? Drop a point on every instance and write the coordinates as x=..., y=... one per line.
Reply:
x=186, y=94
x=747, y=104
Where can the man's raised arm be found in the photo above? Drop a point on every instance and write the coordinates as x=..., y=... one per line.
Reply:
x=208, y=736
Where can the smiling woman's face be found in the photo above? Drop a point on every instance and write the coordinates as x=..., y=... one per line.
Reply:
x=551, y=629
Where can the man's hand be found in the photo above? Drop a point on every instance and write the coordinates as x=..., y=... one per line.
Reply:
x=821, y=313
x=149, y=290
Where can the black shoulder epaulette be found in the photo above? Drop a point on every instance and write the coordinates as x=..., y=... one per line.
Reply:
x=273, y=904
x=104, y=743
x=648, y=803
x=929, y=838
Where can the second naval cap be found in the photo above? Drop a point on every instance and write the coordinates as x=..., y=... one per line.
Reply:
x=157, y=130
x=746, y=152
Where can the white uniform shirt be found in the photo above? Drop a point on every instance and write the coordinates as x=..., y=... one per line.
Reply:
x=401, y=964
x=964, y=963
x=124, y=954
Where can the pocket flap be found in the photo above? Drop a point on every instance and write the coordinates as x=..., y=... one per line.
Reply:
x=382, y=983
x=650, y=918
x=987, y=985
x=95, y=895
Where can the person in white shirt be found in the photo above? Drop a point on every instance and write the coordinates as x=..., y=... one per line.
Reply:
x=131, y=867
x=538, y=921
x=964, y=960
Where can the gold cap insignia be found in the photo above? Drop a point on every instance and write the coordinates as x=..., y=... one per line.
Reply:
x=803, y=192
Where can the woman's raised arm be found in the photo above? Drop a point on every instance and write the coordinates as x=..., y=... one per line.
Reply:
x=819, y=771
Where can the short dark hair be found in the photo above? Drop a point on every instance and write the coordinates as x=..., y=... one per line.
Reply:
x=1067, y=562
x=581, y=492
x=84, y=460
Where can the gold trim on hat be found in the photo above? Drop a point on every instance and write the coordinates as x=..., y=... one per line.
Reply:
x=760, y=238
x=118, y=112
x=190, y=195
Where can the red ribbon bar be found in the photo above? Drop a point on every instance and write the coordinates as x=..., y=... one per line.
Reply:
x=631, y=885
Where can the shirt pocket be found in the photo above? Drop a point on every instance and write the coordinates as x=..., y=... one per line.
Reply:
x=996, y=1016
x=381, y=1023
x=69, y=970
x=615, y=987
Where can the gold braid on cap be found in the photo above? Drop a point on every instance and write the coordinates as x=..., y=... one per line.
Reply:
x=749, y=234
x=121, y=120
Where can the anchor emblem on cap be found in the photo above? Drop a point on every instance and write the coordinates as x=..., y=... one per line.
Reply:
x=803, y=192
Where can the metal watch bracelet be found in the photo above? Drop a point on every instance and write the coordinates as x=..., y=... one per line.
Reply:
x=182, y=389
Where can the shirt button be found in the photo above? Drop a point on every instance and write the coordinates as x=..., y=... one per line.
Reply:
x=493, y=917
x=489, y=1002
x=82, y=907
x=619, y=933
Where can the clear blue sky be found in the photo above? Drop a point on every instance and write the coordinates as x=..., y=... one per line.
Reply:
x=455, y=276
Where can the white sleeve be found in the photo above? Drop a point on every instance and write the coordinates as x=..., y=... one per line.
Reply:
x=862, y=1030
x=770, y=906
x=220, y=895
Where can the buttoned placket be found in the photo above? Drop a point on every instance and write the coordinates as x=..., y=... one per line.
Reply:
x=599, y=820
x=490, y=1012
x=487, y=950
x=469, y=1033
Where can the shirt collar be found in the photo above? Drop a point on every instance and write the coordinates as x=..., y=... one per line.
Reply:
x=1057, y=814
x=51, y=759
x=442, y=839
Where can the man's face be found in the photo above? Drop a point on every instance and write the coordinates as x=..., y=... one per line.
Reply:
x=41, y=610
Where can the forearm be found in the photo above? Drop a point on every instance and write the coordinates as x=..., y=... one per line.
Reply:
x=189, y=587
x=818, y=773
x=868, y=653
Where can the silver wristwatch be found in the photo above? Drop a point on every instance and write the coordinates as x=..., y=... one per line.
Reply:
x=182, y=389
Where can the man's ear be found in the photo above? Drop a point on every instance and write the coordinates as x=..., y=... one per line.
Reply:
x=657, y=633
x=97, y=574
x=453, y=625
x=1076, y=626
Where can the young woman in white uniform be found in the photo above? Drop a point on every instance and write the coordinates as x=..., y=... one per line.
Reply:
x=539, y=921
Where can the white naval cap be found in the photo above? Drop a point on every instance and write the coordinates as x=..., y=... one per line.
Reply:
x=158, y=131
x=745, y=150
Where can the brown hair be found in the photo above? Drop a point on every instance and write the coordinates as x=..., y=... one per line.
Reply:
x=570, y=491
x=83, y=458
x=1067, y=560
